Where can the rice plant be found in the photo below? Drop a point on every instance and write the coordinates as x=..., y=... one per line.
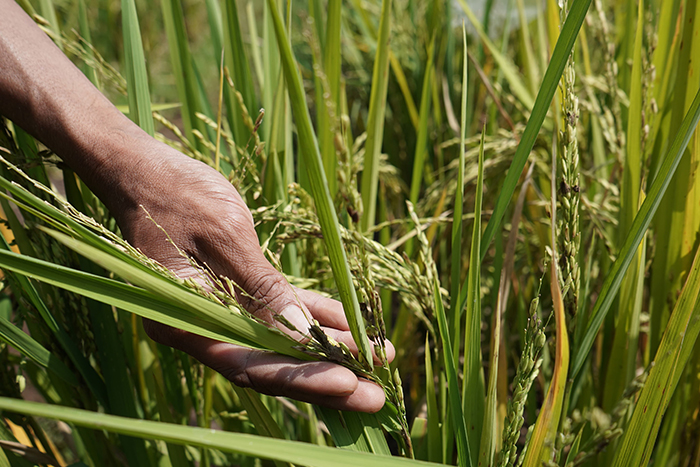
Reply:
x=510, y=199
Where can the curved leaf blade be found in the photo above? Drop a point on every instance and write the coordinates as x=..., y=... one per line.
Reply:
x=249, y=445
x=549, y=85
x=637, y=231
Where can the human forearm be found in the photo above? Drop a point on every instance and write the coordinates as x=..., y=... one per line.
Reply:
x=202, y=213
x=46, y=95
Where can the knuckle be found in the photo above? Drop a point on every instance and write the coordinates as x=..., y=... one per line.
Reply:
x=238, y=374
x=163, y=334
x=263, y=294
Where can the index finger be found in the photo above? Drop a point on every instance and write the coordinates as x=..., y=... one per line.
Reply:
x=326, y=311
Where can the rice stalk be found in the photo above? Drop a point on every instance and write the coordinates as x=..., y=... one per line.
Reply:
x=526, y=373
x=569, y=189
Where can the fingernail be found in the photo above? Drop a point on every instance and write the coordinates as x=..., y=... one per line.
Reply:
x=297, y=318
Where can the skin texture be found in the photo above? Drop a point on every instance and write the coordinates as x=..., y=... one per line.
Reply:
x=46, y=95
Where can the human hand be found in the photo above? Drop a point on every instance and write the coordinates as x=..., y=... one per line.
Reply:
x=44, y=93
x=207, y=219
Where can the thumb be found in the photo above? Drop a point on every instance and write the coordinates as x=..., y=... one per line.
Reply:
x=230, y=247
x=264, y=292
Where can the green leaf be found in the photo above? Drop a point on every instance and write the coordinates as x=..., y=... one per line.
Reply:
x=375, y=119
x=456, y=257
x=549, y=85
x=48, y=11
x=623, y=362
x=311, y=160
x=464, y=458
x=634, y=237
x=360, y=432
x=328, y=122
x=674, y=352
x=422, y=138
x=248, y=445
x=85, y=34
x=93, y=380
x=34, y=351
x=237, y=64
x=340, y=431
x=183, y=68
x=260, y=415
x=245, y=328
x=473, y=388
x=144, y=303
x=135, y=70
x=434, y=447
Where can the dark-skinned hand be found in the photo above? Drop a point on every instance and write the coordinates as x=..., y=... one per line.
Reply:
x=41, y=91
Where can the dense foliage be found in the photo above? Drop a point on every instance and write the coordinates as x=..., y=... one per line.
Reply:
x=513, y=203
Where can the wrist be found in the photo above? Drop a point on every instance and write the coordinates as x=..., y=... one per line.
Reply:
x=123, y=165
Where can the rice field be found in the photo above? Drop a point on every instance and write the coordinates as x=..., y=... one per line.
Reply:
x=508, y=192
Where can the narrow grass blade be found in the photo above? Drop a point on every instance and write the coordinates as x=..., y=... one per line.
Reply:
x=316, y=10
x=464, y=458
x=28, y=147
x=674, y=352
x=254, y=45
x=120, y=398
x=136, y=75
x=27, y=346
x=120, y=295
x=622, y=364
x=248, y=445
x=21, y=239
x=422, y=138
x=539, y=111
x=541, y=446
x=57, y=218
x=260, y=416
x=456, y=258
x=27, y=7
x=532, y=72
x=375, y=119
x=216, y=28
x=665, y=57
x=419, y=437
x=246, y=328
x=676, y=232
x=367, y=426
x=637, y=231
x=624, y=24
x=473, y=386
x=176, y=452
x=489, y=434
x=270, y=57
x=48, y=11
x=368, y=30
x=434, y=450
x=340, y=431
x=355, y=431
x=30, y=293
x=632, y=172
x=311, y=160
x=330, y=103
x=181, y=62
x=405, y=89
x=85, y=34
x=239, y=67
x=4, y=461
